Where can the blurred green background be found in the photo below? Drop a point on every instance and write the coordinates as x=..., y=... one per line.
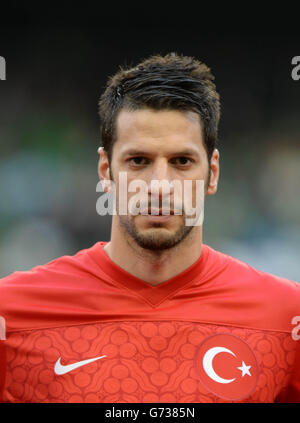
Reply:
x=49, y=135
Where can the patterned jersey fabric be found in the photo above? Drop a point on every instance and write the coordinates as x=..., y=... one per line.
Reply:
x=82, y=329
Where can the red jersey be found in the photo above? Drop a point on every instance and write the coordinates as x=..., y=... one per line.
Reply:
x=82, y=329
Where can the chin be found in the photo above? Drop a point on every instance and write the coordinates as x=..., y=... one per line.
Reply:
x=158, y=239
x=157, y=236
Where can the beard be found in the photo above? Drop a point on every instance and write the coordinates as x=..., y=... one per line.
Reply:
x=155, y=238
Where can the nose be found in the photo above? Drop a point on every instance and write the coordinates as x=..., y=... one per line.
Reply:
x=159, y=181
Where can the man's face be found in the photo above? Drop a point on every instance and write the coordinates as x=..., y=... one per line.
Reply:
x=159, y=145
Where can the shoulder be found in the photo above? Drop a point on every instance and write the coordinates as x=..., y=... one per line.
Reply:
x=271, y=301
x=67, y=266
x=39, y=274
x=247, y=273
x=28, y=294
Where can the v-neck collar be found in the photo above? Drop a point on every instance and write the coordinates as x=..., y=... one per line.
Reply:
x=153, y=294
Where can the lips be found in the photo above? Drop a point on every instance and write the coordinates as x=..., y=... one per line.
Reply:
x=157, y=212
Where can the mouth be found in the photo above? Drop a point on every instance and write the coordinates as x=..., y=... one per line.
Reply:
x=156, y=216
x=157, y=212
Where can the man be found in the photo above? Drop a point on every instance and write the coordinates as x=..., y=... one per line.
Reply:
x=154, y=315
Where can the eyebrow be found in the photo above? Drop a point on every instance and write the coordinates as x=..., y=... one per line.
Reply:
x=185, y=152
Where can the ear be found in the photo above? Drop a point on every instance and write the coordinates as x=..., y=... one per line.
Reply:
x=103, y=169
x=214, y=173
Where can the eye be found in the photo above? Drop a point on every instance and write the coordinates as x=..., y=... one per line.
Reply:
x=182, y=161
x=138, y=161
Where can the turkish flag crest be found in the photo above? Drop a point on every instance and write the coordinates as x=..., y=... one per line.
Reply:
x=227, y=366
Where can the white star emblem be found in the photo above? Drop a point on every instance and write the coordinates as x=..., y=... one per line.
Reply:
x=244, y=369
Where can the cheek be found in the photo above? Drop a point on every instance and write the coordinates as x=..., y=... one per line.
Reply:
x=193, y=192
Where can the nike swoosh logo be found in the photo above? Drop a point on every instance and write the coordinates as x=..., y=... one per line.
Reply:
x=59, y=369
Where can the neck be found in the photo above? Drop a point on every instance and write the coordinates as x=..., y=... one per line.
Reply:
x=154, y=267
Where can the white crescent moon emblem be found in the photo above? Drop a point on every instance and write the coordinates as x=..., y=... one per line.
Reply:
x=208, y=367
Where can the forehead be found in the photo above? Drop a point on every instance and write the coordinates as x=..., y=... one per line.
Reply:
x=158, y=128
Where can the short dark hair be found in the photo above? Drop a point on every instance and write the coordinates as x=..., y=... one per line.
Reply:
x=173, y=82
